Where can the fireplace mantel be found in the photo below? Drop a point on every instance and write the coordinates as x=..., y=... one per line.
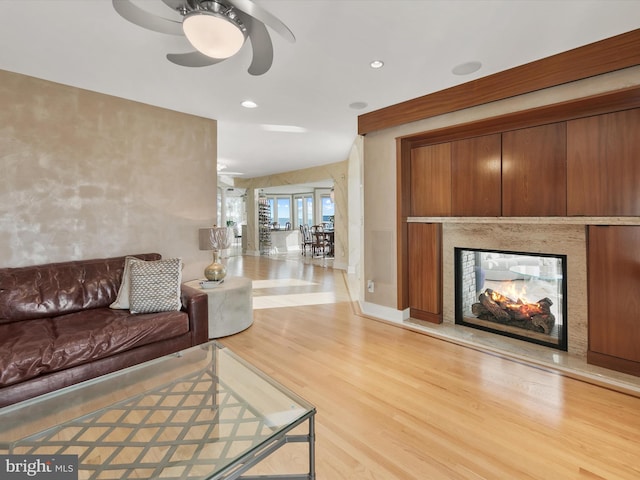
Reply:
x=531, y=220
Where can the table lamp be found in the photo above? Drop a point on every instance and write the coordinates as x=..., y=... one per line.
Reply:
x=215, y=239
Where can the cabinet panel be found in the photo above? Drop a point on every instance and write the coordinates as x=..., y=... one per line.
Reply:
x=431, y=181
x=476, y=177
x=425, y=270
x=603, y=171
x=614, y=331
x=534, y=171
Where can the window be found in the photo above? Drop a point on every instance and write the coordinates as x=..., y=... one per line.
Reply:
x=236, y=211
x=328, y=209
x=283, y=211
x=309, y=203
x=299, y=211
x=280, y=209
x=303, y=210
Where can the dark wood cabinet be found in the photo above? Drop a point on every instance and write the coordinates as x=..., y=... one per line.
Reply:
x=613, y=258
x=476, y=177
x=603, y=161
x=425, y=271
x=431, y=181
x=534, y=171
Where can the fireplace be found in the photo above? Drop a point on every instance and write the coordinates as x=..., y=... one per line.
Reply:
x=516, y=294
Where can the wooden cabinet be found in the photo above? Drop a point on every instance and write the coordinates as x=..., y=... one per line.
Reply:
x=613, y=258
x=603, y=161
x=534, y=171
x=431, y=181
x=425, y=271
x=476, y=177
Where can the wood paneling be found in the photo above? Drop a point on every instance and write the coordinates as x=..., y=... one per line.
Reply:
x=425, y=270
x=614, y=304
x=431, y=181
x=403, y=207
x=597, y=58
x=601, y=103
x=534, y=170
x=476, y=177
x=603, y=164
x=593, y=105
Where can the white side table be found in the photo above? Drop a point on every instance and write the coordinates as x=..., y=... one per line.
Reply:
x=230, y=305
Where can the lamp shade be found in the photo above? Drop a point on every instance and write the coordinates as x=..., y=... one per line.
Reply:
x=215, y=238
x=213, y=34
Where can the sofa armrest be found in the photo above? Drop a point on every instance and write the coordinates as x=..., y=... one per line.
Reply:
x=195, y=303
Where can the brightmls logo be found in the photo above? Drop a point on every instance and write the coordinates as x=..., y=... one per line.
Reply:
x=49, y=467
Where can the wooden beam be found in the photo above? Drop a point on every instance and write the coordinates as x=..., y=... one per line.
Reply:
x=615, y=53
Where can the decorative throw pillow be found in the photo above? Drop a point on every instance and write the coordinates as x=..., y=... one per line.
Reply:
x=122, y=300
x=155, y=285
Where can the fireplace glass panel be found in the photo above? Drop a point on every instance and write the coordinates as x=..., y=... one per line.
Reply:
x=516, y=294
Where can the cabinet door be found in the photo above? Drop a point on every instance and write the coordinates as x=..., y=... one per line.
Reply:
x=476, y=177
x=603, y=167
x=425, y=271
x=534, y=171
x=614, y=304
x=431, y=181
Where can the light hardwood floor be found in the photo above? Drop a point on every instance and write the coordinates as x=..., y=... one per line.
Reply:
x=395, y=404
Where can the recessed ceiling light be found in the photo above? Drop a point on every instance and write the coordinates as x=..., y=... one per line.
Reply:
x=283, y=128
x=358, y=105
x=249, y=104
x=377, y=64
x=466, y=68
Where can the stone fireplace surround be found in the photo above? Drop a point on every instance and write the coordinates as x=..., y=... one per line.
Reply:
x=569, y=240
x=554, y=235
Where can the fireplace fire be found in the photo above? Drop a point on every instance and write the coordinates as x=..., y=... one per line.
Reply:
x=516, y=294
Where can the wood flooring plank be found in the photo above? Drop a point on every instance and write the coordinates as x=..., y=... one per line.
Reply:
x=395, y=404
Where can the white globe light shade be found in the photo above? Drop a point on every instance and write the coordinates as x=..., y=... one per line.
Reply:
x=213, y=34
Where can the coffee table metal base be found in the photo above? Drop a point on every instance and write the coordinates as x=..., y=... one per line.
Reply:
x=235, y=471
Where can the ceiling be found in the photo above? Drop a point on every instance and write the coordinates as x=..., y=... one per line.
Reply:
x=312, y=82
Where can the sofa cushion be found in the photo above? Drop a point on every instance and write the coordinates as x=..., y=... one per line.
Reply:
x=155, y=286
x=34, y=347
x=122, y=299
x=43, y=291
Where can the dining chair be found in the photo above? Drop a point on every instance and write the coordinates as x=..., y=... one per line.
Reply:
x=305, y=239
x=319, y=240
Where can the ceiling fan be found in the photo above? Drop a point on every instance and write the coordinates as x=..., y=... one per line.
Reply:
x=217, y=29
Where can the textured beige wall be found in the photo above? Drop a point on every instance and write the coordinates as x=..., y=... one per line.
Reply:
x=380, y=171
x=87, y=175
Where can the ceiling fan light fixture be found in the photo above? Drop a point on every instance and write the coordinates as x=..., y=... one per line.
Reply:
x=216, y=35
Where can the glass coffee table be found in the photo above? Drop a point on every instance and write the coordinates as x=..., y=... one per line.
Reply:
x=203, y=413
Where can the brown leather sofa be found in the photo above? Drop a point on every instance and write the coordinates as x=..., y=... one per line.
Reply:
x=56, y=327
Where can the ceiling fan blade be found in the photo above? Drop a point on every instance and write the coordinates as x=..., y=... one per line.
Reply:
x=142, y=18
x=247, y=6
x=174, y=4
x=192, y=59
x=261, y=45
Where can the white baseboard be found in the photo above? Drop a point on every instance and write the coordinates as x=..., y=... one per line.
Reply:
x=384, y=313
x=339, y=265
